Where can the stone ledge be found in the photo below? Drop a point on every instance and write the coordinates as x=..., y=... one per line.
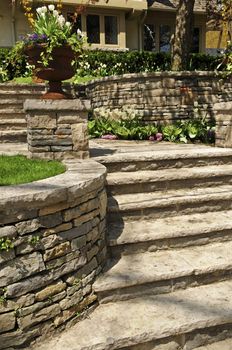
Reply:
x=80, y=175
x=63, y=105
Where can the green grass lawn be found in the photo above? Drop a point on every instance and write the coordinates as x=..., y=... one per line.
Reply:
x=18, y=169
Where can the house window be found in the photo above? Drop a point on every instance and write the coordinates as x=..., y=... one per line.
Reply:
x=111, y=30
x=93, y=29
x=165, y=38
x=76, y=20
x=196, y=40
x=149, y=37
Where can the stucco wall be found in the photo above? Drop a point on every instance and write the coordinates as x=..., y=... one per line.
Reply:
x=57, y=228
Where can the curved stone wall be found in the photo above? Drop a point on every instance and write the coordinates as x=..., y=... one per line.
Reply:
x=55, y=232
x=161, y=96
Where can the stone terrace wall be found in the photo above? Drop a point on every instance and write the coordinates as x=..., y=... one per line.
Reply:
x=57, y=227
x=164, y=96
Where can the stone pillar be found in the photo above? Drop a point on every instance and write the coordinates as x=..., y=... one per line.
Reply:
x=57, y=129
x=223, y=117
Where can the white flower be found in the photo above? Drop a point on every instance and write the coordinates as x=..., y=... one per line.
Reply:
x=79, y=33
x=55, y=13
x=51, y=7
x=61, y=20
x=39, y=10
x=44, y=9
x=68, y=24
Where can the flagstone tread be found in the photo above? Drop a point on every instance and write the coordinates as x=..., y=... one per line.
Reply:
x=122, y=324
x=167, y=228
x=121, y=178
x=134, y=154
x=222, y=345
x=138, y=269
x=169, y=197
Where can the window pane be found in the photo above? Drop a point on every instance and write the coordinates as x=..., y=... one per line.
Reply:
x=165, y=38
x=111, y=30
x=76, y=20
x=196, y=40
x=149, y=37
x=93, y=29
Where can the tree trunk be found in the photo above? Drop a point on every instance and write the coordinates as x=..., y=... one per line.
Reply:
x=183, y=38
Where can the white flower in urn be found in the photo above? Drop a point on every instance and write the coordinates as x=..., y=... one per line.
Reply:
x=79, y=34
x=51, y=8
x=61, y=20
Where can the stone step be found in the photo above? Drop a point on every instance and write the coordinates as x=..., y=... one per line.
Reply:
x=165, y=158
x=11, y=113
x=168, y=233
x=11, y=103
x=222, y=345
x=162, y=204
x=185, y=319
x=21, y=88
x=12, y=124
x=164, y=271
x=13, y=136
x=149, y=181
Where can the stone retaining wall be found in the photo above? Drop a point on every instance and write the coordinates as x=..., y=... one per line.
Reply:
x=56, y=232
x=162, y=96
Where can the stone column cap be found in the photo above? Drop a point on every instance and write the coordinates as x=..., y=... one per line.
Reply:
x=57, y=105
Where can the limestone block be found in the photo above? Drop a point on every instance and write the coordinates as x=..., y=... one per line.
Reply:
x=20, y=268
x=93, y=235
x=37, y=317
x=7, y=322
x=102, y=204
x=80, y=137
x=6, y=256
x=70, y=119
x=78, y=243
x=41, y=121
x=71, y=300
x=57, y=229
x=50, y=220
x=52, y=264
x=49, y=291
x=92, y=252
x=57, y=251
x=29, y=226
x=8, y=231
x=83, y=272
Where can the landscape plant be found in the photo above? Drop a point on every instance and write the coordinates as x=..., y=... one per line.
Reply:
x=118, y=124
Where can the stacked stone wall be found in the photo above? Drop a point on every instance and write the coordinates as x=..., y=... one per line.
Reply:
x=162, y=97
x=55, y=233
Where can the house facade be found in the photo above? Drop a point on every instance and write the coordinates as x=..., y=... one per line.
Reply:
x=113, y=24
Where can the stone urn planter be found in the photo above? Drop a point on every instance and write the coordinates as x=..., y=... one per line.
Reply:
x=60, y=68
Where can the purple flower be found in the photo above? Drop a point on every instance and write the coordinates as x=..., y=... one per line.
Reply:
x=151, y=138
x=109, y=137
x=159, y=136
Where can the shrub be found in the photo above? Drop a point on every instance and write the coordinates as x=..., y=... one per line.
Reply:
x=104, y=63
x=14, y=63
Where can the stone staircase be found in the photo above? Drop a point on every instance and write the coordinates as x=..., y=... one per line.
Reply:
x=167, y=284
x=12, y=117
